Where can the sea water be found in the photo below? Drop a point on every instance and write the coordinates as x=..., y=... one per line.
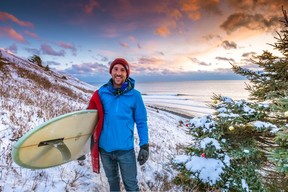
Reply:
x=191, y=98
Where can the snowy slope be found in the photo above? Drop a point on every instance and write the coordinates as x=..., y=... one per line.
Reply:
x=30, y=95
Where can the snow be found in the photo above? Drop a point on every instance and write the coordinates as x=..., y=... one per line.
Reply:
x=260, y=125
x=211, y=141
x=27, y=105
x=246, y=151
x=244, y=185
x=24, y=105
x=207, y=169
x=231, y=115
x=205, y=122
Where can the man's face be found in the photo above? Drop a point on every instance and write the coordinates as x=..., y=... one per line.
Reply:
x=119, y=75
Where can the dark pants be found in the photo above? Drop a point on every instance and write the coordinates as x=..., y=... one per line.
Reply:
x=126, y=161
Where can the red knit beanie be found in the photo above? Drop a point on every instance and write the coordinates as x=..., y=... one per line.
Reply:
x=122, y=62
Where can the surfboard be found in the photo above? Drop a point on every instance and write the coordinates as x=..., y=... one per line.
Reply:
x=57, y=141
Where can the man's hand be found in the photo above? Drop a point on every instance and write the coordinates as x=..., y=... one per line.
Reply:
x=143, y=154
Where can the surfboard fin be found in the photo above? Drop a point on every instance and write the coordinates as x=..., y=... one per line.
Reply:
x=58, y=144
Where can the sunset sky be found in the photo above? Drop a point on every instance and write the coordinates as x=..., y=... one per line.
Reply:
x=161, y=39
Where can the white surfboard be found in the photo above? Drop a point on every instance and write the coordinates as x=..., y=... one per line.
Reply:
x=57, y=141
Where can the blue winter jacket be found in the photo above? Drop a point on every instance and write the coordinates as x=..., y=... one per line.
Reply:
x=122, y=108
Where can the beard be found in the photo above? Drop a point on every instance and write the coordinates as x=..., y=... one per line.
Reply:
x=118, y=80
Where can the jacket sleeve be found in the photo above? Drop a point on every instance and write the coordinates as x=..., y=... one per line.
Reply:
x=95, y=103
x=140, y=116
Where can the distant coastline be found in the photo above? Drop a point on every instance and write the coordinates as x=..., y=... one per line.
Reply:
x=190, y=98
x=166, y=80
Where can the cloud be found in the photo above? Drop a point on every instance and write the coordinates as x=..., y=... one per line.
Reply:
x=132, y=38
x=139, y=46
x=229, y=45
x=192, y=9
x=48, y=50
x=150, y=61
x=246, y=60
x=113, y=29
x=68, y=46
x=33, y=51
x=230, y=60
x=7, y=16
x=88, y=69
x=101, y=58
x=111, y=32
x=13, y=48
x=195, y=9
x=248, y=21
x=53, y=63
x=31, y=34
x=126, y=45
x=162, y=31
x=177, y=13
x=267, y=6
x=147, y=65
x=249, y=54
x=90, y=6
x=212, y=36
x=196, y=61
x=11, y=33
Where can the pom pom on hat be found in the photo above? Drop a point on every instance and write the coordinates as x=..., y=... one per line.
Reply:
x=122, y=62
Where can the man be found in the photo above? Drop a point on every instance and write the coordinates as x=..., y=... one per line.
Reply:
x=119, y=107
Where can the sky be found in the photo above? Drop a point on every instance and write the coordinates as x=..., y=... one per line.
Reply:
x=162, y=40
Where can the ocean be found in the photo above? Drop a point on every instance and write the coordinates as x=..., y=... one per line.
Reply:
x=190, y=98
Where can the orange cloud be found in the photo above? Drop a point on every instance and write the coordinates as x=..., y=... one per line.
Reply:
x=176, y=14
x=192, y=9
x=265, y=6
x=6, y=16
x=251, y=22
x=180, y=11
x=8, y=31
x=162, y=31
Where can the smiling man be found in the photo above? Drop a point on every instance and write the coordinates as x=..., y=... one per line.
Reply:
x=123, y=106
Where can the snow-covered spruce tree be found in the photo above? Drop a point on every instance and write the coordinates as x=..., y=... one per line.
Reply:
x=280, y=154
x=240, y=145
x=226, y=154
x=271, y=84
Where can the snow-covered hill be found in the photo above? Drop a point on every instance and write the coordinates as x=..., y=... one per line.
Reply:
x=31, y=95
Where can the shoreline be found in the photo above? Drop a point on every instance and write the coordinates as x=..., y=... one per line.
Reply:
x=172, y=111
